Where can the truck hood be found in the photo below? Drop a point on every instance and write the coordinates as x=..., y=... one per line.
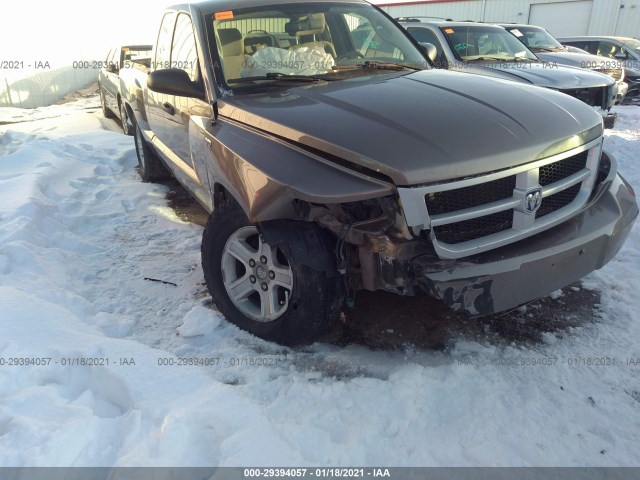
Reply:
x=571, y=59
x=421, y=127
x=542, y=74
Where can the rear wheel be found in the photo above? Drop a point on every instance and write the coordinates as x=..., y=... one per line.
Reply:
x=150, y=166
x=103, y=103
x=127, y=124
x=263, y=289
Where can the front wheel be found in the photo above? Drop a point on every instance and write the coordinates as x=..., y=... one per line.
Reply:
x=263, y=289
x=150, y=166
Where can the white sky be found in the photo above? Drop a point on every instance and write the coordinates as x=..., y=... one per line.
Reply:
x=67, y=30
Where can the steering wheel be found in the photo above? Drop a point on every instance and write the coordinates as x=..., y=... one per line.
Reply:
x=258, y=31
x=492, y=52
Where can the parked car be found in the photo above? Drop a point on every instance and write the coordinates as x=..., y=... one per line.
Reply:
x=621, y=51
x=109, y=80
x=490, y=50
x=548, y=49
x=575, y=49
x=330, y=168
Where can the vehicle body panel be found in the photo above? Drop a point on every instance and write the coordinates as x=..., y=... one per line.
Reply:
x=117, y=61
x=504, y=278
x=542, y=74
x=548, y=49
x=408, y=146
x=606, y=47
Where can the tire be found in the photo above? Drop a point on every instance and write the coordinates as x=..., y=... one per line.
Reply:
x=150, y=167
x=609, y=122
x=306, y=302
x=127, y=123
x=103, y=103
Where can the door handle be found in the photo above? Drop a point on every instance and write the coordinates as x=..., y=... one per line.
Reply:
x=170, y=109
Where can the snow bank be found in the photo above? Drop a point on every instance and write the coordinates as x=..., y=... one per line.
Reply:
x=79, y=234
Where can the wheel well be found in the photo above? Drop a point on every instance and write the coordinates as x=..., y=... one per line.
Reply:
x=221, y=195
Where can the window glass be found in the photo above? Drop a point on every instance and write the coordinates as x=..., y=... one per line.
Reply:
x=471, y=43
x=183, y=50
x=424, y=35
x=591, y=47
x=370, y=43
x=307, y=39
x=608, y=49
x=633, y=45
x=536, y=39
x=163, y=45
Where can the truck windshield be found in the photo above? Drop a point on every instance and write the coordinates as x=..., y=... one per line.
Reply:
x=634, y=45
x=536, y=39
x=308, y=39
x=479, y=43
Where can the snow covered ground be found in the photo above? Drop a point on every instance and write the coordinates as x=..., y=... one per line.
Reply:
x=79, y=237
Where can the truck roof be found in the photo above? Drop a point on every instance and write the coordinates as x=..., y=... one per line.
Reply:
x=210, y=6
x=596, y=37
x=447, y=23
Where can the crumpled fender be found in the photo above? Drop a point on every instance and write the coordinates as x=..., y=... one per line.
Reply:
x=305, y=241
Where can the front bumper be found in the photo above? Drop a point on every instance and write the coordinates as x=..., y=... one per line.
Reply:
x=633, y=94
x=505, y=278
x=623, y=88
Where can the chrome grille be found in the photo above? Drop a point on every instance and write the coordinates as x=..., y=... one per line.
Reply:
x=475, y=228
x=461, y=198
x=557, y=201
x=616, y=73
x=481, y=213
x=594, y=97
x=556, y=171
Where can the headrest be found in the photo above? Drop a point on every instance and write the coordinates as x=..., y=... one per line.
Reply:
x=231, y=42
x=312, y=24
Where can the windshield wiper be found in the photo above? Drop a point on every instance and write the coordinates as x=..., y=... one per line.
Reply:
x=545, y=49
x=280, y=77
x=501, y=59
x=482, y=59
x=376, y=65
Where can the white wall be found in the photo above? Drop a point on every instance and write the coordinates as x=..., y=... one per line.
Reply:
x=44, y=88
x=607, y=16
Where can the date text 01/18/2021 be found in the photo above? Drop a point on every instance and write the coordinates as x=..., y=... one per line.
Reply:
x=316, y=472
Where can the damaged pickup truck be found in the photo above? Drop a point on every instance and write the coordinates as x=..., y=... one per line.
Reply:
x=329, y=168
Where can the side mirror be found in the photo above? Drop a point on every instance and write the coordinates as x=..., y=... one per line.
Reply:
x=430, y=50
x=174, y=81
x=620, y=56
x=112, y=68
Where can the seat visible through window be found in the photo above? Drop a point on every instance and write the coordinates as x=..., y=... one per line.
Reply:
x=308, y=30
x=232, y=46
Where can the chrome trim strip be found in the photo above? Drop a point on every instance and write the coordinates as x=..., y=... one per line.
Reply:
x=445, y=250
x=525, y=223
x=474, y=212
x=504, y=173
x=568, y=182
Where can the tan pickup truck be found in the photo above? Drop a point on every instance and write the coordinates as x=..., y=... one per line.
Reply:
x=331, y=166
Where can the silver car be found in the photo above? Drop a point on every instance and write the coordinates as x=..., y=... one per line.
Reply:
x=548, y=49
x=490, y=50
x=620, y=51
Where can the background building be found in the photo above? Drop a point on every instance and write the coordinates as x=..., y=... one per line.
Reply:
x=561, y=18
